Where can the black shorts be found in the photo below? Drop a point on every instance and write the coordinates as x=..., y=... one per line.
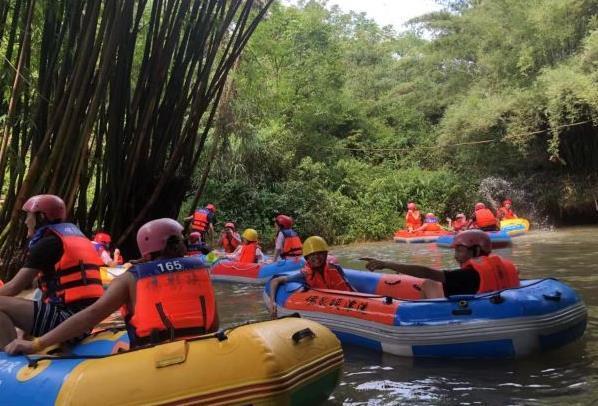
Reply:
x=47, y=316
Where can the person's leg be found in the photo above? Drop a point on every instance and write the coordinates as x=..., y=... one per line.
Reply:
x=14, y=312
x=432, y=289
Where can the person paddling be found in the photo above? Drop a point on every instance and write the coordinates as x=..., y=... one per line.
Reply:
x=479, y=271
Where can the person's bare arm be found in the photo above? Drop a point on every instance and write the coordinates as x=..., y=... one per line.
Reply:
x=417, y=271
x=22, y=280
x=273, y=289
x=78, y=324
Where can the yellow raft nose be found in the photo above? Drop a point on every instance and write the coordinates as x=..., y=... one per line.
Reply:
x=280, y=362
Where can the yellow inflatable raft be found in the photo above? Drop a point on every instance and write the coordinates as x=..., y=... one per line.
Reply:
x=515, y=227
x=281, y=362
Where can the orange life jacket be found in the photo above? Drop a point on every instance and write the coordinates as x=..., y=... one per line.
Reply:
x=292, y=246
x=484, y=218
x=332, y=277
x=506, y=214
x=201, y=220
x=76, y=278
x=411, y=221
x=431, y=227
x=174, y=298
x=495, y=273
x=459, y=224
x=229, y=244
x=247, y=253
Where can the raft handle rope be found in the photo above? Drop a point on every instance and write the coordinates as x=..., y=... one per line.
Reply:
x=221, y=335
x=301, y=334
x=489, y=295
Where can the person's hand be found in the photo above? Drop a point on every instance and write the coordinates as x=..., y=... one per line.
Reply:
x=19, y=346
x=272, y=308
x=373, y=264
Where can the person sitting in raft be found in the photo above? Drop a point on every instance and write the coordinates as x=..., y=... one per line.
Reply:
x=66, y=266
x=165, y=298
x=479, y=272
x=430, y=223
x=483, y=219
x=102, y=242
x=202, y=221
x=229, y=238
x=249, y=251
x=413, y=219
x=288, y=243
x=196, y=246
x=505, y=212
x=459, y=224
x=318, y=272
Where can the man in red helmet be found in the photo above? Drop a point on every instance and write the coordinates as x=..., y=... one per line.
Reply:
x=164, y=298
x=65, y=264
x=505, y=212
x=202, y=221
x=288, y=243
x=413, y=218
x=479, y=271
x=101, y=242
x=229, y=238
x=483, y=218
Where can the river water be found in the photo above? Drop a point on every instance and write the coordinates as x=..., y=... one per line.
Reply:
x=566, y=376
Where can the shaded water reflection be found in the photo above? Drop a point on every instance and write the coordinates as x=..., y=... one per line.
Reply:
x=567, y=376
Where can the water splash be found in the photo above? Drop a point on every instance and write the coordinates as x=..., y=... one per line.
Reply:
x=494, y=190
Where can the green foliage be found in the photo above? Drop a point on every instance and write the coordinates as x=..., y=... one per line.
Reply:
x=339, y=122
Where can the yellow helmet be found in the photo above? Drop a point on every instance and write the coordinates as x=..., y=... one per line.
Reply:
x=314, y=244
x=250, y=234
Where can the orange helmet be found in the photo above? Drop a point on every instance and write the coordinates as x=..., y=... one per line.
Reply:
x=153, y=235
x=230, y=225
x=284, y=221
x=50, y=206
x=102, y=237
x=472, y=238
x=411, y=206
x=507, y=201
x=480, y=206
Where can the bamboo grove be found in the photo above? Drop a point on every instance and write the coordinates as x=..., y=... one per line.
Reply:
x=110, y=104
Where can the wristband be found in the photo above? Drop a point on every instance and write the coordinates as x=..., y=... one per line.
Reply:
x=37, y=345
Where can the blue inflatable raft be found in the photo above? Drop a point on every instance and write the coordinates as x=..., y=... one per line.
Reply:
x=539, y=315
x=499, y=239
x=231, y=271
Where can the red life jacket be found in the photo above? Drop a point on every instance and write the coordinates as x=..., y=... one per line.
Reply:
x=411, y=221
x=459, y=224
x=292, y=246
x=248, y=253
x=229, y=244
x=332, y=277
x=76, y=278
x=174, y=298
x=495, y=273
x=484, y=218
x=201, y=220
x=431, y=227
x=506, y=214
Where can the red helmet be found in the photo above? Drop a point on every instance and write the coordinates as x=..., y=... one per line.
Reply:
x=152, y=236
x=472, y=238
x=284, y=221
x=50, y=205
x=102, y=237
x=411, y=206
x=194, y=236
x=230, y=225
x=507, y=201
x=460, y=215
x=480, y=206
x=211, y=207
